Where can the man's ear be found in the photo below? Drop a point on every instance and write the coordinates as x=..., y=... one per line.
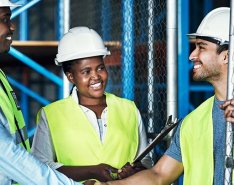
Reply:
x=70, y=77
x=225, y=57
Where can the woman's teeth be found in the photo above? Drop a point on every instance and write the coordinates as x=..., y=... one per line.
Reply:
x=95, y=85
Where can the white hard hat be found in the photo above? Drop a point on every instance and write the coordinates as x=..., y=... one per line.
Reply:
x=7, y=3
x=80, y=42
x=215, y=26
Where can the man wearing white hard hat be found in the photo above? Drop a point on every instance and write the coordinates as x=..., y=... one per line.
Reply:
x=91, y=134
x=198, y=146
x=17, y=164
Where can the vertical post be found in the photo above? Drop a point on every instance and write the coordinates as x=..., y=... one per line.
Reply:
x=183, y=63
x=66, y=11
x=128, y=49
x=229, y=130
x=172, y=58
x=24, y=24
x=64, y=25
x=150, y=79
x=23, y=35
x=106, y=20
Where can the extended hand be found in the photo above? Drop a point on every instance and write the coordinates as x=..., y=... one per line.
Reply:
x=130, y=169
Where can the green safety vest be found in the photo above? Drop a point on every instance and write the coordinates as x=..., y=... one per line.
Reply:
x=196, y=138
x=12, y=111
x=77, y=143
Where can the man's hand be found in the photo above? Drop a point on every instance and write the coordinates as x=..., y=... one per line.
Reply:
x=130, y=169
x=228, y=107
x=89, y=182
x=100, y=183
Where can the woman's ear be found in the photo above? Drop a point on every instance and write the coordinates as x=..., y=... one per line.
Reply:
x=70, y=77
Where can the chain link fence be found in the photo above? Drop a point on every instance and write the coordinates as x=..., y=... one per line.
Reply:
x=135, y=33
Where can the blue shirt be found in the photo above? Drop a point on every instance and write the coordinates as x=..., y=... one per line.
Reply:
x=18, y=165
x=219, y=129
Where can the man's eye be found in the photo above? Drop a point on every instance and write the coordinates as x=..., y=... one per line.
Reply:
x=5, y=20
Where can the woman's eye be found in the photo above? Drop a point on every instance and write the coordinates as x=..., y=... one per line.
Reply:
x=85, y=72
x=101, y=68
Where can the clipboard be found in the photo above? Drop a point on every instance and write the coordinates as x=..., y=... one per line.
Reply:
x=168, y=127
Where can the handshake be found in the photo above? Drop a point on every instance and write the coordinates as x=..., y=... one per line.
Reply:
x=106, y=173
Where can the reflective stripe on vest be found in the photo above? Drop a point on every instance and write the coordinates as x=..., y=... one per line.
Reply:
x=77, y=143
x=13, y=115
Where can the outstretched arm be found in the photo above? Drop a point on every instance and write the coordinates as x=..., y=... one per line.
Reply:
x=165, y=172
x=17, y=164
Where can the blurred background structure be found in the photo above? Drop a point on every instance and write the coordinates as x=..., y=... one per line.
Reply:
x=135, y=31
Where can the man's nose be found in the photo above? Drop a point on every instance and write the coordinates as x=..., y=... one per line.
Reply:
x=193, y=56
x=12, y=26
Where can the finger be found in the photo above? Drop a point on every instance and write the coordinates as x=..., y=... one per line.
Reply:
x=226, y=104
x=109, y=175
x=113, y=170
x=228, y=108
x=229, y=113
x=137, y=165
x=230, y=119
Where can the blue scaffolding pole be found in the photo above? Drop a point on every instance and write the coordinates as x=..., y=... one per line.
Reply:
x=183, y=62
x=128, y=49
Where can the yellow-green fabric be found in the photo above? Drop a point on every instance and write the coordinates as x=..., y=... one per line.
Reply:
x=76, y=141
x=196, y=138
x=12, y=112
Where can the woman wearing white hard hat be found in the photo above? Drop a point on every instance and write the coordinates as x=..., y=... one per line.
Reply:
x=16, y=163
x=91, y=134
x=198, y=147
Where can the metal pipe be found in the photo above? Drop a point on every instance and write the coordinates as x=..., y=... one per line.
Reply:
x=106, y=21
x=128, y=49
x=66, y=22
x=28, y=91
x=184, y=65
x=172, y=58
x=230, y=89
x=150, y=62
x=23, y=8
x=24, y=25
x=29, y=62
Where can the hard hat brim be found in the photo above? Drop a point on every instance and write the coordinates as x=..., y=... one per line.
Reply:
x=208, y=38
x=59, y=60
x=9, y=4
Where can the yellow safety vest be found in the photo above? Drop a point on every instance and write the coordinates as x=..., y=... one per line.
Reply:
x=11, y=109
x=77, y=143
x=196, y=138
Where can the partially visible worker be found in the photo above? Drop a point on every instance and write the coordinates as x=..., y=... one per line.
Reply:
x=198, y=146
x=91, y=134
x=16, y=164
